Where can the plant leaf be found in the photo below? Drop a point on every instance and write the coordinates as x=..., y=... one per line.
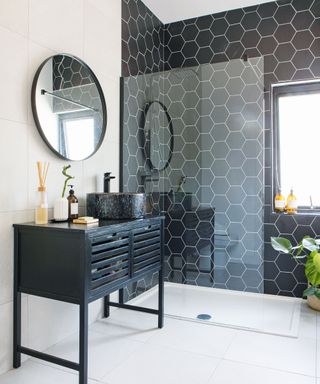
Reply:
x=281, y=244
x=309, y=291
x=312, y=272
x=310, y=244
x=317, y=293
x=316, y=261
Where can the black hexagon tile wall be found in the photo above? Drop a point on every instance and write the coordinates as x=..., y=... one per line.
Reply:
x=285, y=35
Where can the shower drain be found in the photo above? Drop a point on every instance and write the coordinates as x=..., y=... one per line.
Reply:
x=203, y=316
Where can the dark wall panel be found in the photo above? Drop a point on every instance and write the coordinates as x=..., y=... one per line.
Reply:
x=142, y=39
x=287, y=34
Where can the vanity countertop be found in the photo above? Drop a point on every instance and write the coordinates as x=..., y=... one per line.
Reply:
x=67, y=226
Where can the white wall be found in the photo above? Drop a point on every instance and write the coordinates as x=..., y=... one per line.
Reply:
x=30, y=31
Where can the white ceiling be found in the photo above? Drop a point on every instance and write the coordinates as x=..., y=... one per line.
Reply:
x=175, y=10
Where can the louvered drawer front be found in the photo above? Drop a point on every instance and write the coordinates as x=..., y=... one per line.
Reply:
x=110, y=260
x=146, y=248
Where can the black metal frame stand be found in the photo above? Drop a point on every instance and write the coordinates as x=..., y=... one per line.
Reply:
x=82, y=366
x=87, y=263
x=159, y=312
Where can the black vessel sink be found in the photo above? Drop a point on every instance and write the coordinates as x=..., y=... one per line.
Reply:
x=116, y=206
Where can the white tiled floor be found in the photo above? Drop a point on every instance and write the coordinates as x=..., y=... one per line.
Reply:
x=129, y=348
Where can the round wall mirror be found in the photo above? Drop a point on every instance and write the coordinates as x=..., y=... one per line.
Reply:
x=69, y=108
x=158, y=133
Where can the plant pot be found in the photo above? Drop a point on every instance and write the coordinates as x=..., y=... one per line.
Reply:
x=314, y=303
x=60, y=211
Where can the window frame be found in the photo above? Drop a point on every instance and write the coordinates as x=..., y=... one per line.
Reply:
x=278, y=90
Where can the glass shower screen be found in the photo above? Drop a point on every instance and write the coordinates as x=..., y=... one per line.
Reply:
x=211, y=192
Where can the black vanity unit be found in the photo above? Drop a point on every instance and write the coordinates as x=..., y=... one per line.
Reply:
x=79, y=264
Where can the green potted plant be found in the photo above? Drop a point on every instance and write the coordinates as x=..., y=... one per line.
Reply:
x=307, y=252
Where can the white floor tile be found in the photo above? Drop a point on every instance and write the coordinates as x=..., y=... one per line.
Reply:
x=318, y=359
x=159, y=365
x=288, y=354
x=63, y=319
x=308, y=322
x=105, y=352
x=128, y=324
x=35, y=373
x=194, y=337
x=230, y=372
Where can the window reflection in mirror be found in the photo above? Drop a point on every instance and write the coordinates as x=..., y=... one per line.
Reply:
x=83, y=130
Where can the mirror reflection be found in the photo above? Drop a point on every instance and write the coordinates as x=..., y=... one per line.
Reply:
x=69, y=107
x=159, y=135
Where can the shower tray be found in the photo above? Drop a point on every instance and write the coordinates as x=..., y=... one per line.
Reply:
x=256, y=312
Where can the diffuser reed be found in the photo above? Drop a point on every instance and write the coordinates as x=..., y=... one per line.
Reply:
x=41, y=216
x=42, y=173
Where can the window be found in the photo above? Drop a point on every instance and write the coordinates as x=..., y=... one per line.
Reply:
x=296, y=141
x=78, y=137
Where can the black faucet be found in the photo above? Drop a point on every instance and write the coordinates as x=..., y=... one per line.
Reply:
x=106, y=183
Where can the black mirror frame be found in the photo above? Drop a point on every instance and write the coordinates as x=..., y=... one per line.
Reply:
x=147, y=142
x=34, y=107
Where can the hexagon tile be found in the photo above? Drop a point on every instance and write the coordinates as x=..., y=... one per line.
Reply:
x=214, y=228
x=142, y=39
x=218, y=138
x=73, y=81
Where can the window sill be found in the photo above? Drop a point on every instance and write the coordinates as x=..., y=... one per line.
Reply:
x=302, y=212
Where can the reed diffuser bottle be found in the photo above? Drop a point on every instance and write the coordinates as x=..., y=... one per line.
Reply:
x=41, y=214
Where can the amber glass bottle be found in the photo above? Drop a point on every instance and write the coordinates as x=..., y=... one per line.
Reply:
x=73, y=205
x=292, y=204
x=279, y=202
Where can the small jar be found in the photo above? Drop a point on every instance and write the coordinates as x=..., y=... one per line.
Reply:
x=41, y=214
x=60, y=210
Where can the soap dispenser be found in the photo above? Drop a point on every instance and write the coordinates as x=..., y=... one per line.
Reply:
x=73, y=204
